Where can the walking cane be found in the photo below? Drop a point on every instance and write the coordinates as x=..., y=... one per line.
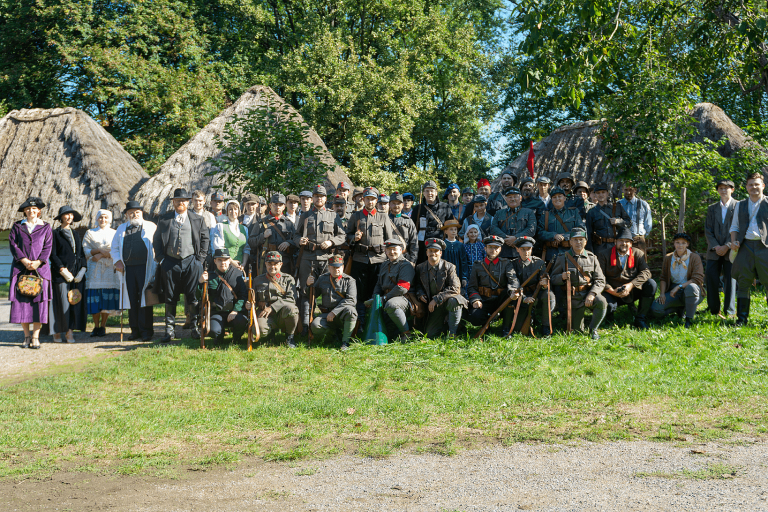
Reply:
x=568, y=291
x=122, y=284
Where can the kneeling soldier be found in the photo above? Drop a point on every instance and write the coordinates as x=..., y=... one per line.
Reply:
x=587, y=281
x=227, y=292
x=535, y=289
x=395, y=278
x=627, y=279
x=337, y=297
x=438, y=285
x=276, y=305
x=491, y=281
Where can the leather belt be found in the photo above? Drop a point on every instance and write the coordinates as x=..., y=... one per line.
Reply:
x=378, y=249
x=488, y=292
x=562, y=243
x=600, y=240
x=314, y=246
x=325, y=310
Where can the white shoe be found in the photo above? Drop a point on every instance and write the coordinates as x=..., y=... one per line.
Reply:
x=57, y=340
x=71, y=340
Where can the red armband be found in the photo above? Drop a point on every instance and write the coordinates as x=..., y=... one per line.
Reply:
x=404, y=284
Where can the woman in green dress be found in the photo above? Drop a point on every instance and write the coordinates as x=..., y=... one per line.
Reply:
x=231, y=235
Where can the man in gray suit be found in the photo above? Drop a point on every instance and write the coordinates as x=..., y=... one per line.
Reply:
x=749, y=238
x=717, y=228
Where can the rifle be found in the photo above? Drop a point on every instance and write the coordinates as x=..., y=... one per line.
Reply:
x=568, y=293
x=517, y=310
x=311, y=311
x=352, y=247
x=526, y=327
x=301, y=251
x=487, y=324
x=254, y=334
x=205, y=311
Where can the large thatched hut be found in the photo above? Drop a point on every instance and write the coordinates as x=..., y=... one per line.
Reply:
x=189, y=166
x=577, y=147
x=65, y=157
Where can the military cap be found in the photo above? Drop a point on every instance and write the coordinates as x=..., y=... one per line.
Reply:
x=343, y=185
x=564, y=176
x=450, y=187
x=394, y=241
x=36, y=201
x=684, y=236
x=181, y=193
x=262, y=200
x=383, y=198
x=493, y=240
x=578, y=232
x=601, y=186
x=727, y=183
x=336, y=260
x=339, y=200
x=249, y=198
x=524, y=241
x=216, y=196
x=396, y=196
x=278, y=198
x=293, y=197
x=625, y=233
x=371, y=192
x=305, y=193
x=582, y=184
x=221, y=253
x=408, y=195
x=358, y=191
x=543, y=179
x=273, y=257
x=555, y=191
x=435, y=243
x=512, y=190
x=430, y=184
x=480, y=198
x=319, y=190
x=451, y=223
x=467, y=190
x=524, y=180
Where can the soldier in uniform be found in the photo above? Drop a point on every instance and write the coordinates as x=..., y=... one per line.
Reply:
x=438, y=286
x=340, y=207
x=496, y=200
x=316, y=235
x=627, y=279
x=530, y=200
x=429, y=217
x=394, y=282
x=587, y=282
x=404, y=227
x=543, y=184
x=513, y=222
x=367, y=229
x=357, y=199
x=604, y=220
x=383, y=203
x=566, y=182
x=343, y=190
x=537, y=290
x=217, y=206
x=227, y=293
x=336, y=296
x=582, y=191
x=556, y=223
x=408, y=201
x=491, y=281
x=275, y=300
x=305, y=198
x=272, y=232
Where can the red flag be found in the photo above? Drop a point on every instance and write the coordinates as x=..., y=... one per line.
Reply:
x=530, y=160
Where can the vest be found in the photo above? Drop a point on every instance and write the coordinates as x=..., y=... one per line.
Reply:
x=761, y=219
x=234, y=244
x=180, y=240
x=134, y=250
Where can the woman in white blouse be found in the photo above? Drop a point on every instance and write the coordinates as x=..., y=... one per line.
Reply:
x=231, y=235
x=102, y=282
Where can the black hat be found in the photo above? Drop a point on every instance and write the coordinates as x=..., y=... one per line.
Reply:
x=514, y=178
x=493, y=240
x=582, y=184
x=180, y=193
x=221, y=253
x=435, y=243
x=68, y=209
x=728, y=183
x=512, y=190
x=32, y=201
x=600, y=186
x=625, y=233
x=133, y=205
x=396, y=196
x=555, y=191
x=429, y=184
x=467, y=190
x=278, y=198
x=524, y=180
x=684, y=236
x=339, y=200
x=524, y=241
x=480, y=198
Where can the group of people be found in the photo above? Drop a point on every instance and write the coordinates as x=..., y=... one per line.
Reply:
x=315, y=266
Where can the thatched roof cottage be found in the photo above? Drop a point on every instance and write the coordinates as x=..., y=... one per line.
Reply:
x=188, y=167
x=65, y=157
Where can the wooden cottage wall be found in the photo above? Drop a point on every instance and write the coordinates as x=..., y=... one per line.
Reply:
x=6, y=260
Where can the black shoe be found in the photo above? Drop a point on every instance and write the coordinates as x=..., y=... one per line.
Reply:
x=640, y=323
x=344, y=346
x=594, y=335
x=289, y=341
x=96, y=332
x=169, y=337
x=196, y=332
x=742, y=312
x=148, y=336
x=688, y=323
x=103, y=332
x=134, y=336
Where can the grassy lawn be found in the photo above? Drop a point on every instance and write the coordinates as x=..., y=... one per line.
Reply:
x=157, y=409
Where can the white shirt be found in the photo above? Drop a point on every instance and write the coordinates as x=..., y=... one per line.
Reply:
x=546, y=199
x=31, y=225
x=724, y=209
x=181, y=218
x=753, y=232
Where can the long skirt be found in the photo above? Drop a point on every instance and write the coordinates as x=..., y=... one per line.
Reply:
x=67, y=316
x=103, y=300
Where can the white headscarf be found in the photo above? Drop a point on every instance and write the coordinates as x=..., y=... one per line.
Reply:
x=479, y=233
x=99, y=214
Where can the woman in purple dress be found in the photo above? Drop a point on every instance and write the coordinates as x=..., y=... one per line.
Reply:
x=31, y=241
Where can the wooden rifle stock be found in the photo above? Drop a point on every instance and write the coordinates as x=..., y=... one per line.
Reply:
x=204, y=310
x=311, y=311
x=568, y=293
x=254, y=334
x=517, y=310
x=504, y=304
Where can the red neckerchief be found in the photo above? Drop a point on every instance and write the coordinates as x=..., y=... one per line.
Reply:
x=367, y=213
x=615, y=258
x=340, y=276
x=277, y=217
x=489, y=262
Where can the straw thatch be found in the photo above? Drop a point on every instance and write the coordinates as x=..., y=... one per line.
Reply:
x=187, y=168
x=577, y=148
x=66, y=158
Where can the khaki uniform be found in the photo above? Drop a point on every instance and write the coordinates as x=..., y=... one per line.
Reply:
x=279, y=295
x=440, y=283
x=338, y=296
x=367, y=253
x=518, y=222
x=491, y=282
x=407, y=229
x=550, y=226
x=601, y=234
x=282, y=230
x=393, y=284
x=595, y=283
x=544, y=298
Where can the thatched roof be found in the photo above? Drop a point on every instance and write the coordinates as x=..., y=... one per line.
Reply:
x=66, y=158
x=187, y=168
x=577, y=147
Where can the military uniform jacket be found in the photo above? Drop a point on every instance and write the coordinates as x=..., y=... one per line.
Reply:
x=617, y=276
x=573, y=201
x=501, y=281
x=344, y=219
x=318, y=226
x=337, y=296
x=277, y=294
x=496, y=202
x=518, y=222
x=394, y=278
x=220, y=296
x=600, y=226
x=588, y=263
x=549, y=226
x=432, y=229
x=446, y=281
x=524, y=270
x=376, y=228
x=407, y=229
x=283, y=230
x=535, y=204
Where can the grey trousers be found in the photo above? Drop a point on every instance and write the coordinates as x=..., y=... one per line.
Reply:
x=344, y=321
x=285, y=319
x=448, y=312
x=687, y=298
x=579, y=309
x=398, y=309
x=751, y=262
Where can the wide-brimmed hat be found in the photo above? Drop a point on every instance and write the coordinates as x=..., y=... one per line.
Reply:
x=180, y=193
x=32, y=201
x=68, y=209
x=451, y=223
x=133, y=205
x=221, y=253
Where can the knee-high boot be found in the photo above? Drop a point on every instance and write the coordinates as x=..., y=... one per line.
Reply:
x=742, y=312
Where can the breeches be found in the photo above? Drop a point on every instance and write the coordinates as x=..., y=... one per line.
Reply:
x=284, y=319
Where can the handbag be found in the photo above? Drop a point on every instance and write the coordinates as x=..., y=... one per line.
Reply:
x=30, y=285
x=74, y=296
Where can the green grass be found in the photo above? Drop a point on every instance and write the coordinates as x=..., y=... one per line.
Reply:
x=710, y=472
x=4, y=290
x=163, y=407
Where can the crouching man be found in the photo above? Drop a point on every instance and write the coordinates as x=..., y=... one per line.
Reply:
x=276, y=305
x=438, y=286
x=395, y=278
x=227, y=293
x=532, y=274
x=336, y=295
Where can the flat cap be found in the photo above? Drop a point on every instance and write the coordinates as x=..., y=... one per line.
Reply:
x=278, y=198
x=305, y=193
x=435, y=243
x=543, y=179
x=249, y=198
x=467, y=190
x=727, y=183
x=394, y=241
x=293, y=197
x=429, y=184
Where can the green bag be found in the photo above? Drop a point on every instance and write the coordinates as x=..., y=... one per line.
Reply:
x=375, y=332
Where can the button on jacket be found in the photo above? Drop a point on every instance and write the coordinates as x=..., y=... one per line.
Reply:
x=274, y=295
x=504, y=279
x=336, y=298
x=395, y=278
x=588, y=263
x=376, y=228
x=443, y=278
x=599, y=225
x=318, y=226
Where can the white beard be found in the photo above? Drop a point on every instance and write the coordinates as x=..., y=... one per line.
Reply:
x=136, y=222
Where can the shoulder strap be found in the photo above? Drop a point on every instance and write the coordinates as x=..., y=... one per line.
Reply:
x=578, y=267
x=277, y=285
x=429, y=210
x=397, y=232
x=224, y=281
x=333, y=286
x=546, y=220
x=273, y=224
x=489, y=273
x=560, y=221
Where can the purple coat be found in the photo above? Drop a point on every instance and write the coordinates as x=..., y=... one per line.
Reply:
x=35, y=246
